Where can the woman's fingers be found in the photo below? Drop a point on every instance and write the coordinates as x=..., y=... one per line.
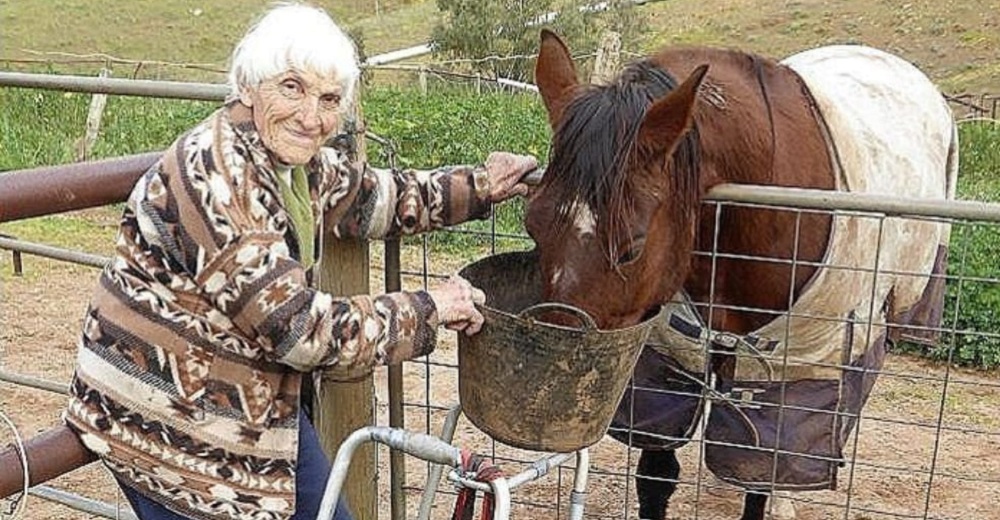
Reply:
x=506, y=170
x=478, y=296
x=457, y=326
x=475, y=324
x=456, y=301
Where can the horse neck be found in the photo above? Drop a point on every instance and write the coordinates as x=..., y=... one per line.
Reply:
x=756, y=127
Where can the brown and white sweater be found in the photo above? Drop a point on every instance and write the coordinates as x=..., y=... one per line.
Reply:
x=196, y=339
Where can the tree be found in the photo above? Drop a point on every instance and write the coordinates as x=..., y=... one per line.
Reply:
x=499, y=38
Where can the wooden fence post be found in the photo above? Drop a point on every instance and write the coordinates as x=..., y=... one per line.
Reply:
x=97, y=103
x=343, y=407
x=608, y=58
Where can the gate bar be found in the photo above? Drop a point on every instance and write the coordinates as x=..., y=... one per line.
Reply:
x=845, y=201
x=87, y=505
x=56, y=253
x=54, y=189
x=51, y=453
x=119, y=86
x=34, y=382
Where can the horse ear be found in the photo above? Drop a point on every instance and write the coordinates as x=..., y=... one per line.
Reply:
x=555, y=75
x=669, y=117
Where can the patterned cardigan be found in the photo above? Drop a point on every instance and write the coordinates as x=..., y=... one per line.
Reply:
x=193, y=347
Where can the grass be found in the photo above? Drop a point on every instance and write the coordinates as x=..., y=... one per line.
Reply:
x=42, y=127
x=951, y=41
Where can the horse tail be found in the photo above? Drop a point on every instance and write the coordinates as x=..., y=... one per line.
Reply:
x=951, y=177
x=928, y=313
x=951, y=166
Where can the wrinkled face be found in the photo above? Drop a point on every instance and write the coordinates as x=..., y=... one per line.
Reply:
x=295, y=112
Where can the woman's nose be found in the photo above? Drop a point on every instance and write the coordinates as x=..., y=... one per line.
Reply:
x=309, y=114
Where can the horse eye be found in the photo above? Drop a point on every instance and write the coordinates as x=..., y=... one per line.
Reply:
x=634, y=251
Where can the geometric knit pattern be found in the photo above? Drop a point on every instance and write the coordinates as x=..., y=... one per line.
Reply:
x=198, y=333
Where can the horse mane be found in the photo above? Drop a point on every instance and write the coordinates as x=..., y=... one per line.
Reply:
x=594, y=148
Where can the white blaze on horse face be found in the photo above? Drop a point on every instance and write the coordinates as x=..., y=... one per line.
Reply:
x=584, y=222
x=585, y=227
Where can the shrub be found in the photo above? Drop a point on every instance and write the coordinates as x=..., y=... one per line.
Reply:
x=972, y=301
x=481, y=30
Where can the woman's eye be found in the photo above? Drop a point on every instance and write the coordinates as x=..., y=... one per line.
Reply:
x=291, y=87
x=330, y=100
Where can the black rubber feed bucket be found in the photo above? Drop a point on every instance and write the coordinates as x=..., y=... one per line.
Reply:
x=535, y=385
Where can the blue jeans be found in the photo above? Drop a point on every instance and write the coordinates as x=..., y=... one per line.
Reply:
x=311, y=474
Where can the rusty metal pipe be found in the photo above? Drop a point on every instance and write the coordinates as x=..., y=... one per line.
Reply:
x=55, y=189
x=50, y=454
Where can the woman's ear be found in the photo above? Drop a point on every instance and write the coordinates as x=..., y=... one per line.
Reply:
x=245, y=97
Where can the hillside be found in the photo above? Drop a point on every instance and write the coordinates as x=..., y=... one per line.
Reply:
x=956, y=42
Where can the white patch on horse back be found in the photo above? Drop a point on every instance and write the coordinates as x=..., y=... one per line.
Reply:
x=891, y=125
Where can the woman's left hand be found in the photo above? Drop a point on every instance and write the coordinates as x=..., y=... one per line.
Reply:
x=505, y=171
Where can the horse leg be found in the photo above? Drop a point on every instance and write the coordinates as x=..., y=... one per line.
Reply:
x=754, y=505
x=654, y=493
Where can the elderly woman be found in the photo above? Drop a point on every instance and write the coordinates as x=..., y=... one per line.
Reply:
x=199, y=332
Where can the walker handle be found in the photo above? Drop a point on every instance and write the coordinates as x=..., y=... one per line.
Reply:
x=420, y=445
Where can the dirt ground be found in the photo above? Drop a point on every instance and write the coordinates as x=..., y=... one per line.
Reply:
x=905, y=463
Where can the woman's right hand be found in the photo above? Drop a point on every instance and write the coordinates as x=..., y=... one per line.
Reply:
x=455, y=300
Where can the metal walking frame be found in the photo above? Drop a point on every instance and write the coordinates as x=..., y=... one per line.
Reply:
x=441, y=452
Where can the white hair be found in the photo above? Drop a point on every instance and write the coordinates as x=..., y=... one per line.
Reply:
x=293, y=35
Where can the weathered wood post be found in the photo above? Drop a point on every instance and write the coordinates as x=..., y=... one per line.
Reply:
x=94, y=115
x=345, y=406
x=608, y=58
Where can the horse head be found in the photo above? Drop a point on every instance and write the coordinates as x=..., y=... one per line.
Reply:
x=614, y=218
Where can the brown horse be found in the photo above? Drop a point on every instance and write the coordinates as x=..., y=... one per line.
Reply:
x=619, y=216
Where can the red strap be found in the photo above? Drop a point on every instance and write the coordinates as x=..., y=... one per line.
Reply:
x=465, y=504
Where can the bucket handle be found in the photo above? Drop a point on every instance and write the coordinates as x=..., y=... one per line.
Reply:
x=585, y=320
